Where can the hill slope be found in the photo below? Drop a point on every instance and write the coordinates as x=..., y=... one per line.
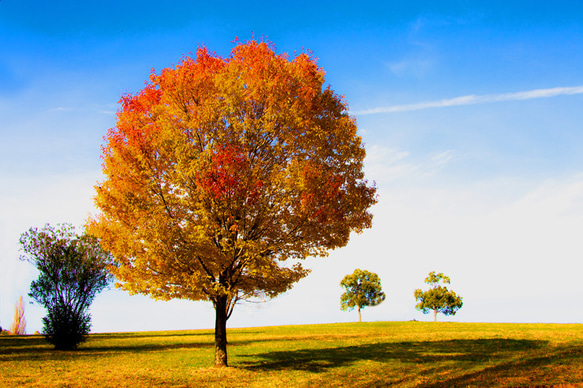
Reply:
x=407, y=354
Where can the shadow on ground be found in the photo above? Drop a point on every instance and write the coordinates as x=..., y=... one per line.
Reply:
x=486, y=360
x=35, y=347
x=564, y=366
x=317, y=360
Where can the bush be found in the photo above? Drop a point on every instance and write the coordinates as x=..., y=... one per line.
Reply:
x=65, y=328
x=72, y=270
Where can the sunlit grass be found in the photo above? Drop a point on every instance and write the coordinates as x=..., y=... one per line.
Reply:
x=406, y=354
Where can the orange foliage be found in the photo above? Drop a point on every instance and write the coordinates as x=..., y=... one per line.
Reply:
x=221, y=169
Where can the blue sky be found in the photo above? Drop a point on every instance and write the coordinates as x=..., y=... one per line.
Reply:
x=470, y=111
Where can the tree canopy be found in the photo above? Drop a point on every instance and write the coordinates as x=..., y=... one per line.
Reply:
x=72, y=271
x=438, y=298
x=363, y=289
x=221, y=170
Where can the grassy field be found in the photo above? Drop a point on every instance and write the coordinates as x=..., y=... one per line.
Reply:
x=403, y=354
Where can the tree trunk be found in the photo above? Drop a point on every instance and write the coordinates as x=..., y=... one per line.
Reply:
x=435, y=315
x=359, y=317
x=221, y=332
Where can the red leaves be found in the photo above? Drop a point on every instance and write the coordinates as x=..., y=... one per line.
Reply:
x=227, y=176
x=222, y=178
x=136, y=126
x=322, y=194
x=142, y=102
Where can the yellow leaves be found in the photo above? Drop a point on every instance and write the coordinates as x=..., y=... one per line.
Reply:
x=222, y=169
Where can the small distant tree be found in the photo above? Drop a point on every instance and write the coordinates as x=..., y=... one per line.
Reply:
x=73, y=270
x=363, y=289
x=438, y=298
x=18, y=326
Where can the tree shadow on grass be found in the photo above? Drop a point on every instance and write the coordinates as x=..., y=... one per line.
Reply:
x=444, y=362
x=133, y=335
x=318, y=360
x=21, y=341
x=36, y=347
x=557, y=365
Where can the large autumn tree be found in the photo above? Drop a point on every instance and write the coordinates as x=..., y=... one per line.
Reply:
x=221, y=170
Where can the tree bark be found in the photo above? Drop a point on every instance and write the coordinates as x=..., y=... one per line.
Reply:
x=435, y=315
x=359, y=317
x=221, y=306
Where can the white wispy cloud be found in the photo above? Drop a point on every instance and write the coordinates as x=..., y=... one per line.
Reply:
x=474, y=99
x=441, y=159
x=61, y=109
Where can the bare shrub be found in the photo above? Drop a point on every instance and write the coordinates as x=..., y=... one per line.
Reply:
x=18, y=326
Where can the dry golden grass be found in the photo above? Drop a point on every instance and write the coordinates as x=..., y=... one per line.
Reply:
x=403, y=354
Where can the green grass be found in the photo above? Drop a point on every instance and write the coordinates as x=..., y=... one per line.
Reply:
x=404, y=354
